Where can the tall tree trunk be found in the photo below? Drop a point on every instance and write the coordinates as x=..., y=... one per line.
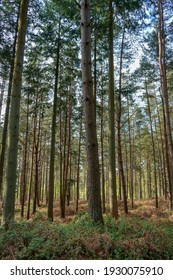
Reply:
x=64, y=161
x=162, y=151
x=119, y=113
x=126, y=164
x=166, y=150
x=31, y=173
x=160, y=169
x=148, y=174
x=95, y=73
x=140, y=165
x=93, y=180
x=69, y=182
x=62, y=208
x=53, y=134
x=153, y=146
x=5, y=128
x=164, y=87
x=24, y=171
x=102, y=152
x=78, y=167
x=37, y=164
x=9, y=196
x=112, y=170
x=68, y=144
x=2, y=89
x=130, y=155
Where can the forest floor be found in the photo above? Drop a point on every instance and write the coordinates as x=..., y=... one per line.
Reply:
x=145, y=233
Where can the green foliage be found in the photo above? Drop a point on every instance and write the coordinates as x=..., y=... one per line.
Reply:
x=139, y=239
x=125, y=238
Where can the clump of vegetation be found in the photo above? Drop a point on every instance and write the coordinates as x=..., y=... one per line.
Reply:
x=125, y=238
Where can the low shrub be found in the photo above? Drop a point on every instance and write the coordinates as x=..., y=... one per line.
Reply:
x=125, y=238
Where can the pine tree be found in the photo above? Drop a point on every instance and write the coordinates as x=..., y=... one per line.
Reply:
x=9, y=197
x=93, y=176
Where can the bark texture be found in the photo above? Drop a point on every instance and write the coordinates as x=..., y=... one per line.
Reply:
x=164, y=87
x=112, y=177
x=93, y=176
x=9, y=197
x=52, y=150
x=7, y=110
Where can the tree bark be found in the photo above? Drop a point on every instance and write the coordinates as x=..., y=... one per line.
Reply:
x=119, y=113
x=162, y=151
x=2, y=89
x=78, y=167
x=112, y=170
x=31, y=173
x=25, y=164
x=53, y=134
x=93, y=178
x=5, y=128
x=164, y=87
x=153, y=146
x=140, y=196
x=102, y=153
x=9, y=196
x=131, y=156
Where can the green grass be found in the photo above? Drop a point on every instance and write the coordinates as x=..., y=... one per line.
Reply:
x=125, y=238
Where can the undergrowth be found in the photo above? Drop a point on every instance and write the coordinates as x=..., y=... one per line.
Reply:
x=125, y=238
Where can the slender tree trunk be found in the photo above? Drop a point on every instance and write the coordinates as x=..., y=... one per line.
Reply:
x=70, y=183
x=164, y=87
x=162, y=152
x=24, y=175
x=64, y=161
x=44, y=175
x=62, y=209
x=68, y=145
x=31, y=174
x=148, y=174
x=119, y=113
x=2, y=89
x=120, y=184
x=130, y=155
x=78, y=167
x=112, y=170
x=95, y=73
x=126, y=165
x=47, y=177
x=93, y=172
x=5, y=128
x=102, y=153
x=140, y=165
x=153, y=146
x=166, y=151
x=107, y=184
x=37, y=163
x=53, y=134
x=9, y=196
x=160, y=169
